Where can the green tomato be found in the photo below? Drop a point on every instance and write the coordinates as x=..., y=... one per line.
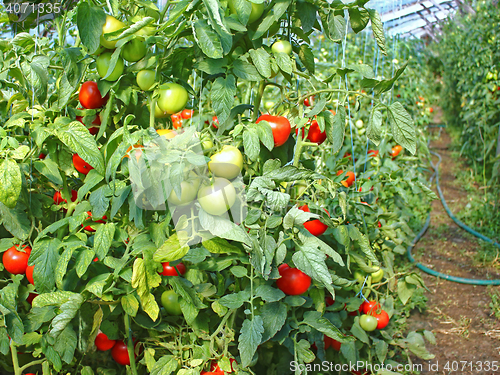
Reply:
x=282, y=46
x=173, y=98
x=146, y=79
x=189, y=189
x=268, y=105
x=368, y=322
x=103, y=62
x=170, y=301
x=134, y=50
x=255, y=13
x=227, y=163
x=359, y=124
x=217, y=198
x=377, y=275
x=159, y=113
x=359, y=276
x=112, y=24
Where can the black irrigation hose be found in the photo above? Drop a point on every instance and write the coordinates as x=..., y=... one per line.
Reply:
x=456, y=279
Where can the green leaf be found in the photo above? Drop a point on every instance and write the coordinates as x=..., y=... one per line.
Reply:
x=323, y=325
x=304, y=354
x=261, y=59
x=243, y=10
x=45, y=256
x=274, y=317
x=306, y=56
x=222, y=97
x=403, y=128
x=359, y=18
x=377, y=29
x=166, y=365
x=336, y=26
x=10, y=182
x=49, y=169
x=96, y=284
x=207, y=39
x=335, y=128
x=83, y=261
x=269, y=294
x=359, y=332
x=77, y=137
x=251, y=143
x=130, y=304
x=53, y=357
x=307, y=15
x=405, y=291
x=65, y=344
x=212, y=66
x=235, y=300
x=90, y=21
x=53, y=299
x=218, y=245
x=284, y=62
x=103, y=239
x=15, y=221
x=265, y=134
x=386, y=84
x=36, y=75
x=144, y=278
x=374, y=128
x=312, y=262
x=381, y=348
x=363, y=243
x=221, y=227
x=250, y=338
x=416, y=344
x=172, y=250
x=68, y=311
x=245, y=71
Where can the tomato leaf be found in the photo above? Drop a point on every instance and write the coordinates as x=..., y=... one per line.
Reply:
x=405, y=291
x=251, y=143
x=304, y=354
x=403, y=128
x=359, y=332
x=49, y=169
x=335, y=128
x=36, y=75
x=221, y=227
x=144, y=278
x=165, y=366
x=222, y=97
x=374, y=129
x=11, y=182
x=68, y=311
x=218, y=245
x=307, y=15
x=311, y=261
x=262, y=60
x=130, y=304
x=265, y=134
x=250, y=338
x=53, y=357
x=416, y=344
x=386, y=84
x=45, y=256
x=284, y=62
x=306, y=56
x=207, y=39
x=97, y=284
x=235, y=300
x=264, y=25
x=65, y=344
x=172, y=250
x=377, y=29
x=359, y=18
x=90, y=21
x=269, y=294
x=336, y=26
x=245, y=70
x=103, y=239
x=16, y=221
x=274, y=316
x=243, y=9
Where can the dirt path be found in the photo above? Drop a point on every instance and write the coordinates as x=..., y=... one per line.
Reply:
x=459, y=315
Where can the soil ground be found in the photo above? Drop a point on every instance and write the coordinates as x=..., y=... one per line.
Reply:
x=459, y=315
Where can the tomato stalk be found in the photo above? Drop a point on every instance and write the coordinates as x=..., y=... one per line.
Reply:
x=257, y=100
x=130, y=344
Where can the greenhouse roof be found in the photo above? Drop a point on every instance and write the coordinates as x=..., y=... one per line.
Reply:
x=410, y=18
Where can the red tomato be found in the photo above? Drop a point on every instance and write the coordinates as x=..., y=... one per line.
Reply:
x=293, y=282
x=373, y=153
x=396, y=150
x=176, y=116
x=215, y=122
x=169, y=270
x=29, y=274
x=177, y=124
x=31, y=297
x=16, y=261
x=309, y=101
x=88, y=227
x=283, y=267
x=315, y=134
x=41, y=156
x=398, y=95
x=371, y=306
x=431, y=109
x=187, y=114
x=350, y=178
x=315, y=227
x=215, y=369
x=90, y=96
x=329, y=301
x=335, y=344
x=280, y=126
x=120, y=353
x=103, y=343
x=58, y=197
x=382, y=319
x=327, y=341
x=379, y=224
x=81, y=165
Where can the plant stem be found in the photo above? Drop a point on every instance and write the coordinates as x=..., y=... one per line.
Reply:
x=15, y=361
x=130, y=344
x=257, y=100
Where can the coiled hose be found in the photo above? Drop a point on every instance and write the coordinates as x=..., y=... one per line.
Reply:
x=456, y=279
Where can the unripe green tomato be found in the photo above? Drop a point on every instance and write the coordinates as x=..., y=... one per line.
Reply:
x=256, y=12
x=227, y=163
x=282, y=46
x=159, y=113
x=173, y=98
x=103, y=62
x=377, y=275
x=360, y=124
x=268, y=105
x=368, y=322
x=359, y=276
x=189, y=189
x=217, y=198
x=112, y=24
x=146, y=79
x=134, y=50
x=170, y=301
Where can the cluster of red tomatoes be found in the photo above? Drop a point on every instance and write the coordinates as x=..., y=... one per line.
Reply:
x=373, y=316
x=216, y=370
x=119, y=350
